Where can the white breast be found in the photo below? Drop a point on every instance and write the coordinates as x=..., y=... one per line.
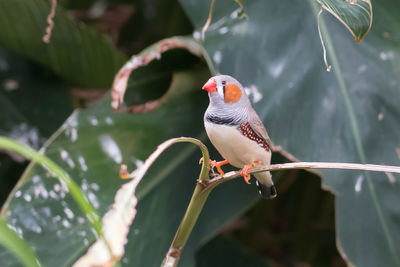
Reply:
x=234, y=147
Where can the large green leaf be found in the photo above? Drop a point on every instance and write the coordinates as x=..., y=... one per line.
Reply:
x=91, y=146
x=349, y=115
x=75, y=52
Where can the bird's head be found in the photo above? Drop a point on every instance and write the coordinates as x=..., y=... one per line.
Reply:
x=224, y=90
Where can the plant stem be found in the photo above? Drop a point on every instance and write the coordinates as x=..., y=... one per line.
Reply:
x=185, y=228
x=192, y=212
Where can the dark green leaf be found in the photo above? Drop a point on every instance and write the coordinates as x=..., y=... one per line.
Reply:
x=151, y=21
x=33, y=104
x=296, y=228
x=54, y=170
x=75, y=52
x=348, y=115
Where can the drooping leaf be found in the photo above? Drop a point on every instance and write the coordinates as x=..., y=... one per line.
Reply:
x=75, y=53
x=355, y=15
x=348, y=115
x=115, y=225
x=91, y=146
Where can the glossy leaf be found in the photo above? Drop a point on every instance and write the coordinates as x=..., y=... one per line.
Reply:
x=91, y=146
x=11, y=240
x=355, y=15
x=348, y=115
x=75, y=53
x=65, y=180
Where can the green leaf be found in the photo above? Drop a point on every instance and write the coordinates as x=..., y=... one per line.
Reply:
x=59, y=173
x=75, y=53
x=348, y=115
x=33, y=104
x=11, y=240
x=355, y=15
x=94, y=142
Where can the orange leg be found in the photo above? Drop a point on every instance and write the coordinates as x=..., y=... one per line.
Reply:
x=216, y=164
x=245, y=169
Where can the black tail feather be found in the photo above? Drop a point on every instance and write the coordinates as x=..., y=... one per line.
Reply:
x=268, y=192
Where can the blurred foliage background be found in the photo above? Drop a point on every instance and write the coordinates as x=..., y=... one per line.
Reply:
x=56, y=97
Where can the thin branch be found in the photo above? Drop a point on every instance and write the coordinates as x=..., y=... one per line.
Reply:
x=50, y=26
x=306, y=165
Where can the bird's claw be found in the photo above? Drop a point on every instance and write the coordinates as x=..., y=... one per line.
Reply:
x=244, y=171
x=246, y=177
x=215, y=164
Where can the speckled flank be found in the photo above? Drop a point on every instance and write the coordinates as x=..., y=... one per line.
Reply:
x=247, y=131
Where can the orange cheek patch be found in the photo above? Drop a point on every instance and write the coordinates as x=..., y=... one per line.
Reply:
x=232, y=93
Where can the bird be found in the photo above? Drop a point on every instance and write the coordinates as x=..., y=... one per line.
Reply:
x=237, y=132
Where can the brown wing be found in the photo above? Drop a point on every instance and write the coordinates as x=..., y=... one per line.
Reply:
x=258, y=127
x=248, y=132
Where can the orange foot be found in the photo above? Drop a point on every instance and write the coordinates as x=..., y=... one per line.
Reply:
x=244, y=171
x=216, y=164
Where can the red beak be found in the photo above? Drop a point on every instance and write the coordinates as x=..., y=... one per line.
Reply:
x=210, y=86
